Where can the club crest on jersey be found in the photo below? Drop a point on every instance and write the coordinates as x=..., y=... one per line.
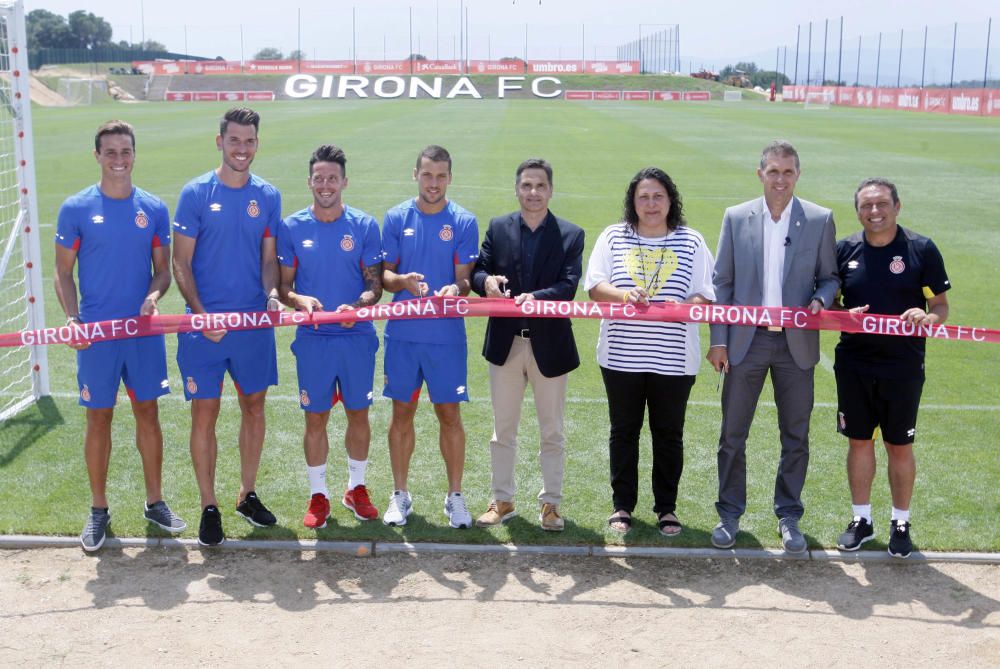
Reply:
x=192, y=387
x=85, y=393
x=304, y=398
x=347, y=243
x=446, y=234
x=897, y=265
x=97, y=219
x=141, y=220
x=253, y=209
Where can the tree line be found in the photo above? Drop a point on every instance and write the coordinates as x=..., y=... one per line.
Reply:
x=81, y=30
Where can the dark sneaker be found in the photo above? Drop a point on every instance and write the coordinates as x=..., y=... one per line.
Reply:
x=160, y=515
x=900, y=544
x=724, y=534
x=255, y=512
x=96, y=530
x=791, y=537
x=210, y=531
x=857, y=533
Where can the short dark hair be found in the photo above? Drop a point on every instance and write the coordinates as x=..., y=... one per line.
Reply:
x=876, y=181
x=781, y=148
x=239, y=116
x=534, y=164
x=675, y=216
x=114, y=127
x=328, y=153
x=435, y=154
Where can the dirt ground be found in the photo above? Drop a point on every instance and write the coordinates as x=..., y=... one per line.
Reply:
x=176, y=607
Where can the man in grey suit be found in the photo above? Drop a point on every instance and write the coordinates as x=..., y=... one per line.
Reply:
x=775, y=251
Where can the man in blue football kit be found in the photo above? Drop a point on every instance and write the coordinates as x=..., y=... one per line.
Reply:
x=114, y=224
x=431, y=246
x=224, y=260
x=331, y=258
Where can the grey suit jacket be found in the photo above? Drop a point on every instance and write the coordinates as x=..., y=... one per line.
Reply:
x=810, y=272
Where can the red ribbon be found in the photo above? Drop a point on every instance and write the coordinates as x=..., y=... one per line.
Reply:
x=452, y=307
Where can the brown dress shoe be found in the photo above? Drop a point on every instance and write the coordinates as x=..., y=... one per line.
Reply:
x=550, y=519
x=497, y=513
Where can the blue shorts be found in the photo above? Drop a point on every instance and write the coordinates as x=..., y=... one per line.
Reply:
x=141, y=363
x=332, y=368
x=248, y=356
x=443, y=366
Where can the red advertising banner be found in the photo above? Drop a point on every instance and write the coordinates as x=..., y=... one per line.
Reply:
x=578, y=95
x=271, y=67
x=612, y=67
x=205, y=96
x=328, y=66
x=436, y=67
x=965, y=101
x=607, y=95
x=383, y=67
x=555, y=67
x=216, y=96
x=232, y=96
x=496, y=67
x=215, y=67
x=636, y=95
x=699, y=96
x=178, y=97
x=992, y=99
x=260, y=96
x=666, y=95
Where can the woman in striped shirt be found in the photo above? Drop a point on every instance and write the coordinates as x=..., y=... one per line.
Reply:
x=650, y=256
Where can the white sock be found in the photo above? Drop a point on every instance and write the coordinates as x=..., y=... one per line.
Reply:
x=902, y=515
x=863, y=511
x=356, y=472
x=317, y=480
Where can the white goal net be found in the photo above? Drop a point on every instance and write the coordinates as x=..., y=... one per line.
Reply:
x=78, y=91
x=23, y=369
x=818, y=100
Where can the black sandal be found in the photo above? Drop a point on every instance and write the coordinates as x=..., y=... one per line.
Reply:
x=668, y=527
x=624, y=520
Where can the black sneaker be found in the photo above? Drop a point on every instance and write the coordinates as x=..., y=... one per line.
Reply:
x=96, y=529
x=899, y=540
x=255, y=512
x=858, y=532
x=210, y=530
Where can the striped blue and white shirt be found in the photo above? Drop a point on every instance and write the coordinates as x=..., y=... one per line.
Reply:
x=674, y=267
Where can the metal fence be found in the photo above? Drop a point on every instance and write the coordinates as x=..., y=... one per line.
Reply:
x=826, y=52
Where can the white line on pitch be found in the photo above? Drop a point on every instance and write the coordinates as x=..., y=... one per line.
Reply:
x=177, y=397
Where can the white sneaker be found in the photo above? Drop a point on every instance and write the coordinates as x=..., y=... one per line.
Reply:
x=400, y=506
x=458, y=515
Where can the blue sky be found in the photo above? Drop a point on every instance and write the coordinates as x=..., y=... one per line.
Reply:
x=711, y=34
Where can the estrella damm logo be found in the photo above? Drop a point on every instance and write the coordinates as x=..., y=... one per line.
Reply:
x=347, y=243
x=253, y=209
x=192, y=387
x=141, y=220
x=446, y=234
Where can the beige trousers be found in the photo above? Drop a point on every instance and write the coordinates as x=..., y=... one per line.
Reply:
x=507, y=385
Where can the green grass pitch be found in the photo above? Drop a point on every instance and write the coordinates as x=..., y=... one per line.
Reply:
x=948, y=172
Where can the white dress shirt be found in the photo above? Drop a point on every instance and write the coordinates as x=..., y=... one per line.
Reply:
x=775, y=243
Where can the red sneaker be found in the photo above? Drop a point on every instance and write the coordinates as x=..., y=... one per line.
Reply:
x=357, y=501
x=318, y=512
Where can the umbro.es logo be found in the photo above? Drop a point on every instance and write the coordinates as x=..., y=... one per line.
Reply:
x=97, y=218
x=215, y=206
x=853, y=264
x=460, y=390
x=408, y=232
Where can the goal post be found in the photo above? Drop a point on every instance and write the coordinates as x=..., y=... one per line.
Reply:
x=818, y=99
x=24, y=374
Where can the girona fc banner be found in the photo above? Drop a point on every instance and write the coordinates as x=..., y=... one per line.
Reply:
x=460, y=307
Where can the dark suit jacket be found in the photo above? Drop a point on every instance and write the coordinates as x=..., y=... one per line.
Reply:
x=557, y=270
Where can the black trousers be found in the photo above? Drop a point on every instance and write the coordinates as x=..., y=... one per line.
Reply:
x=629, y=393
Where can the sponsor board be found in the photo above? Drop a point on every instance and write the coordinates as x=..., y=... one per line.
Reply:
x=607, y=95
x=965, y=101
x=666, y=95
x=579, y=95
x=698, y=96
x=555, y=67
x=636, y=95
x=216, y=96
